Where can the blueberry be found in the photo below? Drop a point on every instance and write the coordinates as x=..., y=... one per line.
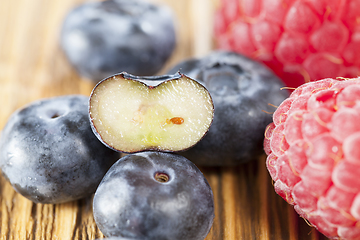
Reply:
x=108, y=37
x=49, y=153
x=121, y=238
x=242, y=90
x=154, y=195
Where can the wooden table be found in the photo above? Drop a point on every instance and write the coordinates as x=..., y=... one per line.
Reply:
x=32, y=66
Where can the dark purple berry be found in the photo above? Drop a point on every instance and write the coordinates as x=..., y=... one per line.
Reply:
x=49, y=153
x=121, y=238
x=101, y=38
x=242, y=90
x=154, y=195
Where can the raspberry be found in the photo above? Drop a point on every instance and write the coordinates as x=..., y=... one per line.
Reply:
x=300, y=40
x=314, y=154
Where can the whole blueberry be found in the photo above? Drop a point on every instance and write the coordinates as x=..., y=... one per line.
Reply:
x=242, y=90
x=154, y=195
x=49, y=153
x=101, y=38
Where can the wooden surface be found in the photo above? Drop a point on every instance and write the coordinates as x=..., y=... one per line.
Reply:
x=32, y=66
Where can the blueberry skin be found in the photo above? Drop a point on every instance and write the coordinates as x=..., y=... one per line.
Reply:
x=108, y=37
x=49, y=153
x=241, y=90
x=131, y=203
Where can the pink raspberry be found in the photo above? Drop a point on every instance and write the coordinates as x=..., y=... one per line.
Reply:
x=300, y=40
x=313, y=148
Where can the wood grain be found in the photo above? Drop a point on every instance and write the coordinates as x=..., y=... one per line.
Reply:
x=32, y=66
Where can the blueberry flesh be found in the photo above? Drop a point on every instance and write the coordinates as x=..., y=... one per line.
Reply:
x=49, y=153
x=242, y=90
x=111, y=36
x=154, y=195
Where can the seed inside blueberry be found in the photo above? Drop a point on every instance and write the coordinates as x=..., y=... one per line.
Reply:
x=55, y=115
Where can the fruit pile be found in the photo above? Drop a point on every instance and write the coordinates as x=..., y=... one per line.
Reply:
x=300, y=40
x=313, y=154
x=61, y=149
x=50, y=153
x=212, y=110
